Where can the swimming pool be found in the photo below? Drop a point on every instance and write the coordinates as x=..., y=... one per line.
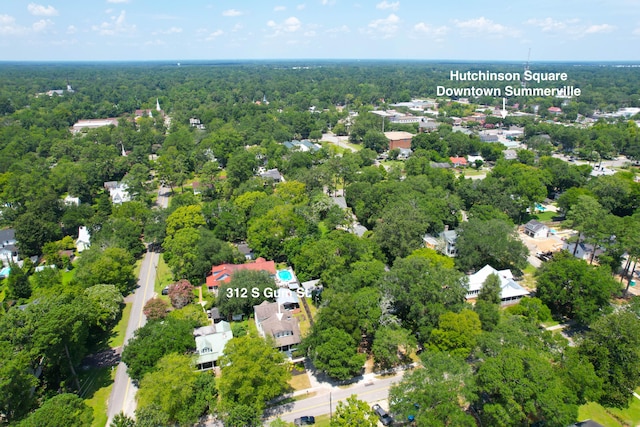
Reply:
x=284, y=275
x=540, y=207
x=5, y=272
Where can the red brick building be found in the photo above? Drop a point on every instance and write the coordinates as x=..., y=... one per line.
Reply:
x=399, y=139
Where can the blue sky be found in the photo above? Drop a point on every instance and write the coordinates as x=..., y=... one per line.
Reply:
x=87, y=30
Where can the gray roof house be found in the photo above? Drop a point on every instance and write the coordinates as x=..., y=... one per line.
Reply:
x=8, y=248
x=273, y=320
x=535, y=229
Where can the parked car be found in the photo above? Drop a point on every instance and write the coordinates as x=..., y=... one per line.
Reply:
x=307, y=420
x=165, y=290
x=384, y=416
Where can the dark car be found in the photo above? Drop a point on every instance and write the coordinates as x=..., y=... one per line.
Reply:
x=165, y=290
x=305, y=421
x=384, y=416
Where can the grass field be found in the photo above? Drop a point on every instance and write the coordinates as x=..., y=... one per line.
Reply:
x=611, y=417
x=117, y=336
x=96, y=388
x=164, y=277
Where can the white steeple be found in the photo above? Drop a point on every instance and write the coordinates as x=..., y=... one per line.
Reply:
x=158, y=105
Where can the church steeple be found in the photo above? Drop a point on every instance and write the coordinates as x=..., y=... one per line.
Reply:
x=158, y=105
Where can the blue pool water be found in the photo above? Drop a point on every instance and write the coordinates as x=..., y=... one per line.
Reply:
x=284, y=275
x=540, y=207
x=5, y=272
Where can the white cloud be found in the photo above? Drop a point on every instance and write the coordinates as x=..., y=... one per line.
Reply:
x=232, y=12
x=311, y=33
x=569, y=27
x=9, y=26
x=384, y=4
x=41, y=10
x=300, y=6
x=214, y=35
x=385, y=27
x=636, y=32
x=602, y=28
x=484, y=26
x=71, y=29
x=118, y=1
x=117, y=25
x=172, y=30
x=426, y=29
x=289, y=25
x=279, y=9
x=337, y=30
x=328, y=2
x=237, y=27
x=41, y=25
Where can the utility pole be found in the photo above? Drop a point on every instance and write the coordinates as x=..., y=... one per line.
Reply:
x=330, y=407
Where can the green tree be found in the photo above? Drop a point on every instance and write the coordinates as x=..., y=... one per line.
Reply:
x=106, y=304
x=155, y=340
x=246, y=289
x=392, y=346
x=16, y=382
x=522, y=386
x=112, y=266
x=18, y=286
x=172, y=388
x=456, y=333
x=612, y=345
x=242, y=416
x=421, y=292
x=570, y=287
x=253, y=372
x=435, y=395
x=334, y=352
x=488, y=303
x=375, y=140
x=492, y=242
x=155, y=309
x=62, y=410
x=353, y=413
x=184, y=217
x=532, y=308
x=122, y=420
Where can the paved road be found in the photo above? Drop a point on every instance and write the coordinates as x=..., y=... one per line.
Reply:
x=368, y=390
x=340, y=141
x=122, y=398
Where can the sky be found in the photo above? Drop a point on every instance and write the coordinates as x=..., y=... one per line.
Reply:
x=126, y=30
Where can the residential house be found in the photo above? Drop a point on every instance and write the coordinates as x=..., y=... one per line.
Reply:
x=8, y=248
x=272, y=175
x=459, y=162
x=510, y=154
x=554, y=110
x=210, y=343
x=83, y=242
x=304, y=145
x=245, y=250
x=584, y=250
x=222, y=273
x=273, y=320
x=404, y=153
x=428, y=125
x=71, y=201
x=118, y=191
x=510, y=291
x=399, y=139
x=535, y=229
x=445, y=242
x=488, y=137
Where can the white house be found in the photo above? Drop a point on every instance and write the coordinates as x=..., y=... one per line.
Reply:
x=84, y=239
x=118, y=191
x=583, y=251
x=511, y=292
x=210, y=343
x=274, y=320
x=445, y=242
x=535, y=229
x=71, y=201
